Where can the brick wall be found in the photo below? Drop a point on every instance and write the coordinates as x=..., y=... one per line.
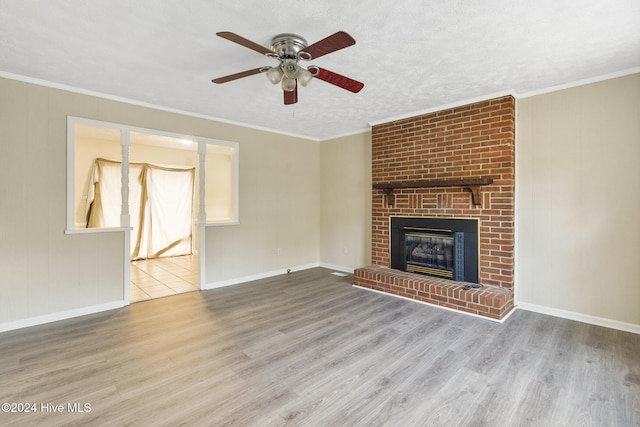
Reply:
x=471, y=141
x=475, y=140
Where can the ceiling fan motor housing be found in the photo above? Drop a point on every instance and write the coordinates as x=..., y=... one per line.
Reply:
x=288, y=46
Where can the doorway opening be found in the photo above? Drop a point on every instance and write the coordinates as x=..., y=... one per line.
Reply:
x=151, y=186
x=162, y=212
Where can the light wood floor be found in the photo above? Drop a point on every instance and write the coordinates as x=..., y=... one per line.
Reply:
x=308, y=349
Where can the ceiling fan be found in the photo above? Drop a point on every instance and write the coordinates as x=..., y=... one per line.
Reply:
x=289, y=49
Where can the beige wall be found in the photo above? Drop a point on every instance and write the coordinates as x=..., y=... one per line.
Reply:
x=279, y=211
x=46, y=274
x=42, y=270
x=578, y=203
x=303, y=202
x=345, y=196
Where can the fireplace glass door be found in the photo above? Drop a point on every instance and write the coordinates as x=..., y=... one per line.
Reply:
x=441, y=247
x=429, y=252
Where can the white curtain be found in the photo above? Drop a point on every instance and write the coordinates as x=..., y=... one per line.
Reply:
x=160, y=206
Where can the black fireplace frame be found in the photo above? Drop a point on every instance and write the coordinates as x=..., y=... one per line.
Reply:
x=469, y=226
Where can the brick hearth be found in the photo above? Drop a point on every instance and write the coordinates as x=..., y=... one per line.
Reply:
x=488, y=301
x=467, y=142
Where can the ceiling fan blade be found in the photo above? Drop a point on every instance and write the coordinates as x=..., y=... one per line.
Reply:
x=291, y=97
x=244, y=42
x=334, y=42
x=240, y=75
x=339, y=80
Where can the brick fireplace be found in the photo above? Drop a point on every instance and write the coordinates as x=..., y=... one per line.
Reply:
x=456, y=163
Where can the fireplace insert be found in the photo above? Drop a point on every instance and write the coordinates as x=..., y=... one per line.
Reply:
x=440, y=247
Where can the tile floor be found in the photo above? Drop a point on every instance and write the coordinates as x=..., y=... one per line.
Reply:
x=161, y=277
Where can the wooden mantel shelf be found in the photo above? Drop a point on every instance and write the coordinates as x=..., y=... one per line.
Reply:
x=473, y=184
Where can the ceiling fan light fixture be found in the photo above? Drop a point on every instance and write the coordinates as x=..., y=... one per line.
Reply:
x=274, y=74
x=290, y=68
x=288, y=84
x=304, y=77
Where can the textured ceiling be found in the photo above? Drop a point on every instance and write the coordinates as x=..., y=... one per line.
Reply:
x=412, y=55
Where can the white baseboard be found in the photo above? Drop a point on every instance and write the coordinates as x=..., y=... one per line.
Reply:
x=337, y=268
x=265, y=275
x=584, y=318
x=61, y=315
